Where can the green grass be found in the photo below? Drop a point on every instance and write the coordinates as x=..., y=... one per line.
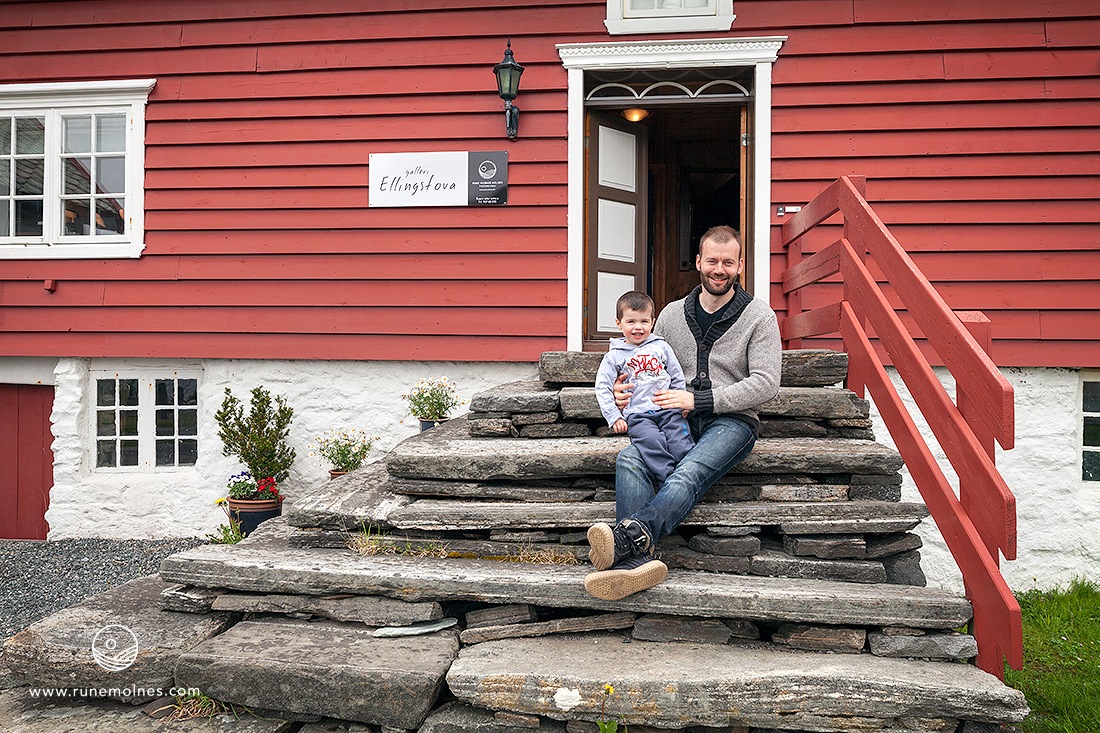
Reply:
x=1061, y=674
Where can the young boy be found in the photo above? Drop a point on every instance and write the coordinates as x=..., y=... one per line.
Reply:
x=662, y=436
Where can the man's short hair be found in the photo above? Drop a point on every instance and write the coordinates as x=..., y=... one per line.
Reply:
x=720, y=235
x=635, y=300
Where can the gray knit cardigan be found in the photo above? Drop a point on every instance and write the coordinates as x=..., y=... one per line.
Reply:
x=744, y=362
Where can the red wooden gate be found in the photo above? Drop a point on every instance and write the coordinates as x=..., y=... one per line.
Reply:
x=26, y=460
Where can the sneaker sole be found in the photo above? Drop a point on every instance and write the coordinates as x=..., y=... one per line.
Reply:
x=611, y=585
x=601, y=546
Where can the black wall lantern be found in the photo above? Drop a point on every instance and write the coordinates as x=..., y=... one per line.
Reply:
x=508, y=73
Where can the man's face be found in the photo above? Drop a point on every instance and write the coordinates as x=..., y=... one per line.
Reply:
x=635, y=325
x=719, y=265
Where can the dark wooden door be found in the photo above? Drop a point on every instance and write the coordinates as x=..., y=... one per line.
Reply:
x=26, y=460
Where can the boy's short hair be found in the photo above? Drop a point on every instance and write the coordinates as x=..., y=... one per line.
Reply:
x=635, y=300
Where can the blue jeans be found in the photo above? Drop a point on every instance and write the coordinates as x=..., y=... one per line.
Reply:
x=723, y=444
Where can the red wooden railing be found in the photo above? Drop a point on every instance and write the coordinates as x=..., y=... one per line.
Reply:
x=981, y=520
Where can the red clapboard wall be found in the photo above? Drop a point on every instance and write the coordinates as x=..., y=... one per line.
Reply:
x=26, y=460
x=976, y=124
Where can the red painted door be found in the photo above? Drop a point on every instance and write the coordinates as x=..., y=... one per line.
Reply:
x=26, y=460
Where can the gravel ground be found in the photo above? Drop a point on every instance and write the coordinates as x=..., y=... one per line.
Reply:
x=40, y=578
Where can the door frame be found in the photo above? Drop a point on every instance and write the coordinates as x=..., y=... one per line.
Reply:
x=760, y=53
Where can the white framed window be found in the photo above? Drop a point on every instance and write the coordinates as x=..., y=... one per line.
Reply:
x=72, y=169
x=668, y=16
x=144, y=422
x=1090, y=427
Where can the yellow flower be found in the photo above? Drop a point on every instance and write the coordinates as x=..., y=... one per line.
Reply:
x=608, y=690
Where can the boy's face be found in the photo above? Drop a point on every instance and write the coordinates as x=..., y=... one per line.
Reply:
x=635, y=325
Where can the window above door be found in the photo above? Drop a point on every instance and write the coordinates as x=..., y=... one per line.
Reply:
x=668, y=16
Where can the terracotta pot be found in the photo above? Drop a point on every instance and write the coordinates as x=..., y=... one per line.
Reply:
x=250, y=512
x=333, y=473
x=428, y=424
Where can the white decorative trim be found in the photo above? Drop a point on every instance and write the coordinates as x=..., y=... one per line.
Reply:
x=82, y=92
x=671, y=54
x=651, y=54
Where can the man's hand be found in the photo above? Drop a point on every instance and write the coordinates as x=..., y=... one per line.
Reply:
x=679, y=399
x=622, y=390
x=619, y=426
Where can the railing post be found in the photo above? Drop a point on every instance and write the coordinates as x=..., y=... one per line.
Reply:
x=856, y=381
x=794, y=297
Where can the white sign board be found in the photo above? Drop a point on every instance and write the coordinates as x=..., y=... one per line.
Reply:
x=439, y=179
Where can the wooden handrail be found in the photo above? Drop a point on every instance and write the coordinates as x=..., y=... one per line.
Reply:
x=980, y=523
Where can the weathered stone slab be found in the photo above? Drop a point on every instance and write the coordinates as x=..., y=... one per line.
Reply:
x=732, y=546
x=22, y=713
x=741, y=629
x=804, y=492
x=516, y=397
x=658, y=627
x=535, y=418
x=62, y=650
x=555, y=430
x=493, y=428
x=851, y=433
x=580, y=624
x=517, y=491
x=892, y=544
x=926, y=646
x=874, y=492
x=370, y=610
x=449, y=452
x=815, y=402
x=323, y=668
x=821, y=638
x=684, y=557
x=904, y=569
x=871, y=525
x=791, y=429
x=684, y=593
x=516, y=613
x=569, y=367
x=826, y=546
x=519, y=721
x=674, y=685
x=774, y=563
x=436, y=547
x=455, y=717
x=733, y=531
x=427, y=627
x=186, y=599
x=472, y=515
x=351, y=500
x=579, y=403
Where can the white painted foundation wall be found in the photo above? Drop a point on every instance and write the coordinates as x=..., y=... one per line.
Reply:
x=86, y=502
x=1058, y=513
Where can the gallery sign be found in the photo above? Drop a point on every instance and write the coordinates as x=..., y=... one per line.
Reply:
x=439, y=179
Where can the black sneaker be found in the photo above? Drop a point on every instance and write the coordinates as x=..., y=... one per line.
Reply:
x=636, y=573
x=608, y=546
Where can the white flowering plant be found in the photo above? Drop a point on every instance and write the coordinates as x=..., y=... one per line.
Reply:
x=432, y=399
x=344, y=449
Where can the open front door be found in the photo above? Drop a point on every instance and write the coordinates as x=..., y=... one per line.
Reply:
x=616, y=231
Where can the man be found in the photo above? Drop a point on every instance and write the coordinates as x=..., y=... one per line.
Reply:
x=728, y=344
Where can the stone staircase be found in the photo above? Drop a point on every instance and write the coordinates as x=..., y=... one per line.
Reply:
x=794, y=600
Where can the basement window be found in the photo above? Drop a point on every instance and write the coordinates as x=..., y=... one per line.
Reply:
x=1090, y=430
x=144, y=423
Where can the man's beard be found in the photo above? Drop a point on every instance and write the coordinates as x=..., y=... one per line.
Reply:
x=718, y=292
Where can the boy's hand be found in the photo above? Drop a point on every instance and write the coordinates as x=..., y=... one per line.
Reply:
x=622, y=390
x=619, y=426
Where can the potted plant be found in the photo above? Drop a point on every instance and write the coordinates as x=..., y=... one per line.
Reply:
x=431, y=401
x=258, y=439
x=345, y=450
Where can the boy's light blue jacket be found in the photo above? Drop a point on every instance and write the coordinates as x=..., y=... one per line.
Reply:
x=650, y=366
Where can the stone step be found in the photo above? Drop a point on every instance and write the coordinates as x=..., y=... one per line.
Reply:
x=274, y=568
x=450, y=453
x=801, y=367
x=323, y=668
x=664, y=685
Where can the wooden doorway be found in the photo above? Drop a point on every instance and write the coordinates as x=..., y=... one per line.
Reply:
x=26, y=460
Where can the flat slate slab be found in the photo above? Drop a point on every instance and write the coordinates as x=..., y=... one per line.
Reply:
x=684, y=593
x=579, y=403
x=60, y=651
x=323, y=668
x=430, y=514
x=670, y=685
x=349, y=501
x=449, y=452
x=369, y=610
x=21, y=713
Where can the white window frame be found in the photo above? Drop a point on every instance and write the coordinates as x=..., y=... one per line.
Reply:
x=146, y=409
x=717, y=16
x=760, y=53
x=1090, y=376
x=51, y=101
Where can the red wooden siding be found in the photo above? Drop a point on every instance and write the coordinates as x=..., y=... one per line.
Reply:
x=975, y=124
x=26, y=460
